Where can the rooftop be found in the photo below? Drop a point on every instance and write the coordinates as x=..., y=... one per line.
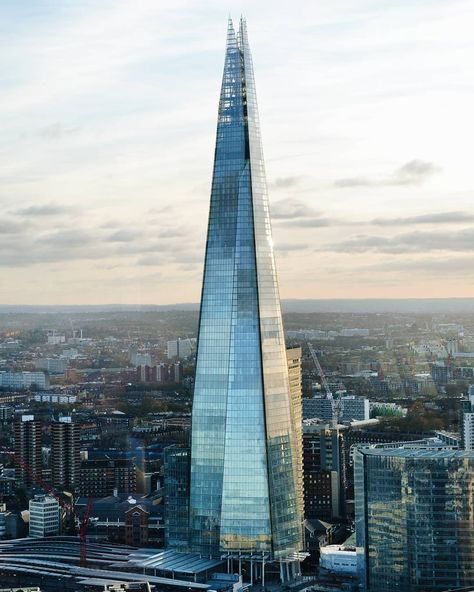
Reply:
x=419, y=452
x=58, y=558
x=174, y=561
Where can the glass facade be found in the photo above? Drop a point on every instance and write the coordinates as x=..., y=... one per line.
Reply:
x=243, y=472
x=176, y=470
x=414, y=518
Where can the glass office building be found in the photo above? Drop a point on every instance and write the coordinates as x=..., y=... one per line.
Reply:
x=176, y=471
x=243, y=494
x=414, y=518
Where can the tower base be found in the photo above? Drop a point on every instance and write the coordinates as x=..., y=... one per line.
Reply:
x=259, y=568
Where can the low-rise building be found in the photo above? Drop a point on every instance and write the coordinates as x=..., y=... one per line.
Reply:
x=132, y=520
x=100, y=477
x=338, y=559
x=60, y=398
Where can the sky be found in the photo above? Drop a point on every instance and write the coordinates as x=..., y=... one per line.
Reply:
x=108, y=112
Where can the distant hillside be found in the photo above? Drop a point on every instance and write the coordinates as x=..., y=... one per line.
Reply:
x=375, y=305
x=370, y=305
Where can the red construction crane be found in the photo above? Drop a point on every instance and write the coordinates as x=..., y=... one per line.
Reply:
x=83, y=532
x=69, y=508
x=18, y=461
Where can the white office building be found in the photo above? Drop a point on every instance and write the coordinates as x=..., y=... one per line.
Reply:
x=179, y=348
x=468, y=421
x=338, y=559
x=139, y=358
x=54, y=339
x=353, y=408
x=24, y=380
x=52, y=365
x=44, y=516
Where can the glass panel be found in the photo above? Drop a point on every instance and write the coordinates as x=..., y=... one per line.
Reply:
x=414, y=519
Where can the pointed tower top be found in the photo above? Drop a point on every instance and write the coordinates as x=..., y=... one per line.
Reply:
x=231, y=37
x=242, y=35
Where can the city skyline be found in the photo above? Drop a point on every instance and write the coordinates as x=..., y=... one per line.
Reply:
x=106, y=148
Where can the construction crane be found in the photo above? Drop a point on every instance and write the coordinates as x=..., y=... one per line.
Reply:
x=83, y=532
x=324, y=381
x=336, y=404
x=69, y=508
x=18, y=461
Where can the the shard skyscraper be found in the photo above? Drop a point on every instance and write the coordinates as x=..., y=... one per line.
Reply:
x=243, y=496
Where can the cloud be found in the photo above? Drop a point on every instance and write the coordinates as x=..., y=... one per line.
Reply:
x=308, y=223
x=124, y=236
x=12, y=227
x=287, y=209
x=448, y=266
x=56, y=131
x=354, y=182
x=26, y=251
x=412, y=242
x=110, y=224
x=290, y=247
x=186, y=260
x=149, y=261
x=414, y=172
x=50, y=209
x=36, y=246
x=174, y=232
x=297, y=214
x=285, y=182
x=188, y=257
x=436, y=218
x=67, y=239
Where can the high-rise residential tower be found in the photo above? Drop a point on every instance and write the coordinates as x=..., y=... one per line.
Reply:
x=244, y=470
x=28, y=449
x=65, y=453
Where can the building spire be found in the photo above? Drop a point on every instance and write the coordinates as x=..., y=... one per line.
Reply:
x=242, y=34
x=231, y=37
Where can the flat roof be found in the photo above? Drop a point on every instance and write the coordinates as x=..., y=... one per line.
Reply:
x=99, y=582
x=428, y=453
x=174, y=561
x=59, y=557
x=54, y=569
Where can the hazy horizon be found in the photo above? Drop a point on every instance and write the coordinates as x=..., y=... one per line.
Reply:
x=322, y=305
x=108, y=112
